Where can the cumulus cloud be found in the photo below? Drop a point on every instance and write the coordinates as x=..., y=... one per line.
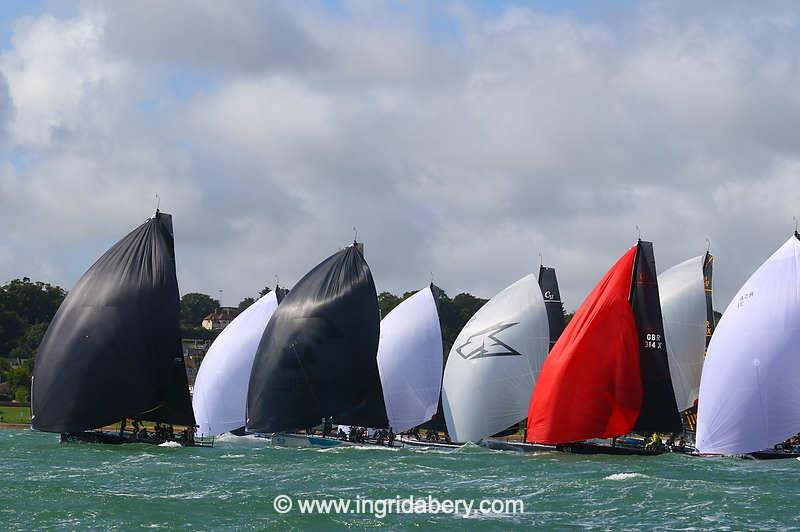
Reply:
x=459, y=142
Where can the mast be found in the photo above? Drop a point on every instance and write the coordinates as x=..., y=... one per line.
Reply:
x=113, y=349
x=317, y=356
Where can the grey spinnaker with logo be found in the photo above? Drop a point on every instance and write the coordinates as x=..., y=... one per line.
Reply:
x=113, y=349
x=494, y=362
x=317, y=357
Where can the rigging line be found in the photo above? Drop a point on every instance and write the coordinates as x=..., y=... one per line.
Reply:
x=638, y=232
x=355, y=235
x=158, y=202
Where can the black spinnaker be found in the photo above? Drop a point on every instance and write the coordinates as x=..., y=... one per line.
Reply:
x=552, y=302
x=318, y=355
x=113, y=349
x=659, y=411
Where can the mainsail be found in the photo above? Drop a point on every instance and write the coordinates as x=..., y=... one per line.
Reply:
x=410, y=360
x=220, y=390
x=552, y=302
x=749, y=393
x=317, y=357
x=113, y=349
x=494, y=363
x=608, y=373
x=684, y=305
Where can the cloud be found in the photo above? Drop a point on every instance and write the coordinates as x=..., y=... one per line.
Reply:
x=458, y=142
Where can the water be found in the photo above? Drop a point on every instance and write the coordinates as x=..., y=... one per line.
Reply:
x=77, y=486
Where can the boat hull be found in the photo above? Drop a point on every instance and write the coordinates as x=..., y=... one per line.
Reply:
x=115, y=438
x=520, y=447
x=601, y=448
x=410, y=442
x=771, y=455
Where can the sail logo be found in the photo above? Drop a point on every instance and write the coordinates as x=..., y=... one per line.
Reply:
x=485, y=344
x=548, y=295
x=743, y=299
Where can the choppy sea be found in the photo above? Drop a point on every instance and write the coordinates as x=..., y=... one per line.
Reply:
x=46, y=485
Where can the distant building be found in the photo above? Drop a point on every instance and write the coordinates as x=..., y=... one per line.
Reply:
x=219, y=319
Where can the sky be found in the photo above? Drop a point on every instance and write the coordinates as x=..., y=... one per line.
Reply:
x=464, y=140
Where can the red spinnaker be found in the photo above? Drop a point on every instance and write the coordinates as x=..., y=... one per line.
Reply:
x=590, y=385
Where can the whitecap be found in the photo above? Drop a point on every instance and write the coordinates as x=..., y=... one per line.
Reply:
x=624, y=476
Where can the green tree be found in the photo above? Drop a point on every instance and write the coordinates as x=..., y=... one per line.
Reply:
x=196, y=306
x=11, y=328
x=244, y=303
x=34, y=302
x=28, y=343
x=386, y=302
x=264, y=291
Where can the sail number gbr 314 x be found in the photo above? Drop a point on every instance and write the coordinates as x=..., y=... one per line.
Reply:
x=653, y=341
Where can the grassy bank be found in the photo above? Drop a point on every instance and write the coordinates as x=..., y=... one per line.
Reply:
x=15, y=414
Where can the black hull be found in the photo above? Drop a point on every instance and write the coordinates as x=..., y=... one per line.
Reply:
x=114, y=438
x=771, y=455
x=599, y=448
x=520, y=447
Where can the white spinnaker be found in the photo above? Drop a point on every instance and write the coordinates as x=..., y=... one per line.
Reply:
x=750, y=392
x=410, y=361
x=683, y=308
x=494, y=362
x=220, y=390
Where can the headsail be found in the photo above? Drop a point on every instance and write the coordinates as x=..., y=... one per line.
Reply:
x=683, y=305
x=317, y=357
x=410, y=361
x=749, y=393
x=608, y=372
x=552, y=301
x=494, y=363
x=220, y=390
x=113, y=349
x=658, y=411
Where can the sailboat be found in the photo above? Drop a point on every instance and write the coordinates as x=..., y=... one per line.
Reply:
x=749, y=394
x=548, y=282
x=686, y=305
x=410, y=360
x=317, y=358
x=113, y=350
x=220, y=390
x=494, y=362
x=608, y=373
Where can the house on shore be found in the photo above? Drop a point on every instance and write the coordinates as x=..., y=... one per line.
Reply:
x=219, y=319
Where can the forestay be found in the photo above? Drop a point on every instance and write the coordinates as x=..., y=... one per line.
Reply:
x=749, y=393
x=220, y=390
x=494, y=362
x=410, y=361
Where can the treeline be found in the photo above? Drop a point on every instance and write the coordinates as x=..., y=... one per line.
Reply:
x=26, y=308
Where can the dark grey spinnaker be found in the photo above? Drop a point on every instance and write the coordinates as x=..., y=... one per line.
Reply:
x=318, y=354
x=552, y=302
x=113, y=349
